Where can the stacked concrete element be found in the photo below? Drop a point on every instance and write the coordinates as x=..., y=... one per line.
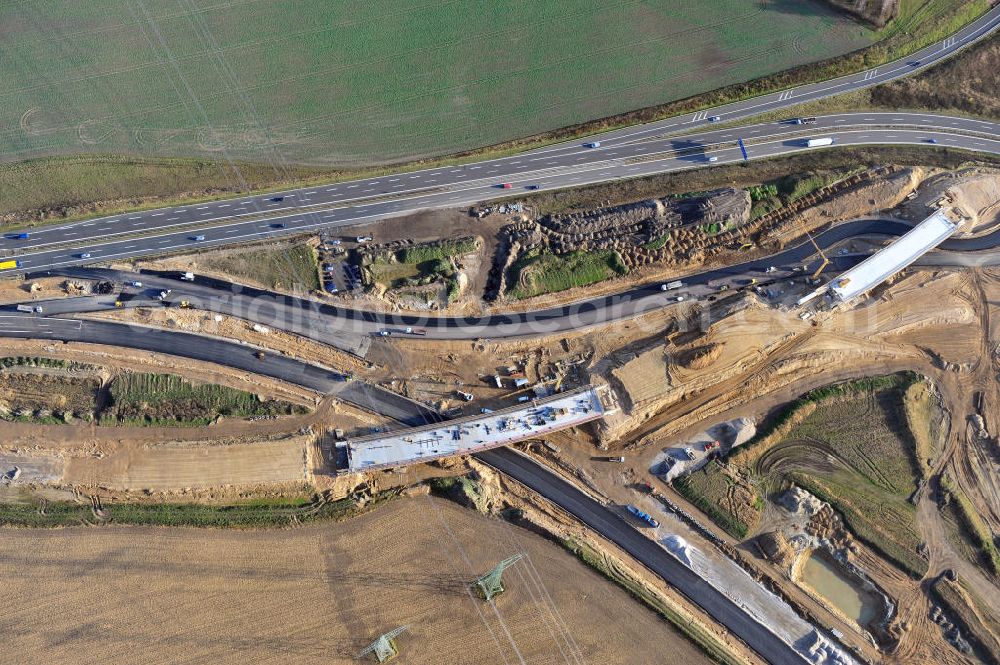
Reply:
x=680, y=222
x=668, y=231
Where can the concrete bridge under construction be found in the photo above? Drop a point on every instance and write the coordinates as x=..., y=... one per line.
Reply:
x=474, y=434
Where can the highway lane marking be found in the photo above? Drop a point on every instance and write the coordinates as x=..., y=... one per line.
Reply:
x=653, y=167
x=594, y=166
x=157, y=214
x=422, y=196
x=821, y=89
x=978, y=29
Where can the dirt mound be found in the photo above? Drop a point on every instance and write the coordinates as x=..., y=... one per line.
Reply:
x=701, y=357
x=775, y=548
x=876, y=12
x=664, y=231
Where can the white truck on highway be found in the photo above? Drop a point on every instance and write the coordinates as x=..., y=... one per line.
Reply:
x=670, y=286
x=815, y=143
x=37, y=309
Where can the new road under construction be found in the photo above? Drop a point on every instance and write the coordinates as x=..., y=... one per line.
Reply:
x=747, y=374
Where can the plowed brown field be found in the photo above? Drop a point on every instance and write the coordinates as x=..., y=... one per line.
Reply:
x=316, y=594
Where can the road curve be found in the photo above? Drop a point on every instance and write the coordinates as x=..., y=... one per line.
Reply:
x=342, y=327
x=406, y=411
x=218, y=351
x=562, y=165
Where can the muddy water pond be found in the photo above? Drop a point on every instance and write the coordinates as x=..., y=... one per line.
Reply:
x=842, y=589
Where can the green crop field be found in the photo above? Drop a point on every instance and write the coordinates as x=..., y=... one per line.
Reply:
x=352, y=83
x=167, y=399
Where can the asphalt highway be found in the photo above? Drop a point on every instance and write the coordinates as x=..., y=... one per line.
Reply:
x=645, y=159
x=350, y=329
x=218, y=351
x=644, y=550
x=613, y=144
x=630, y=152
x=411, y=413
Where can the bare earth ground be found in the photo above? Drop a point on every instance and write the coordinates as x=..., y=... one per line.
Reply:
x=316, y=594
x=194, y=465
x=932, y=323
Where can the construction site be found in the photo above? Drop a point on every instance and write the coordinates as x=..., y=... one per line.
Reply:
x=718, y=413
x=486, y=333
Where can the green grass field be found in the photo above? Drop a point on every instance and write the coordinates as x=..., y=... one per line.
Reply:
x=353, y=83
x=287, y=266
x=537, y=272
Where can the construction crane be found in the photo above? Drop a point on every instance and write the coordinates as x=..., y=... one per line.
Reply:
x=823, y=256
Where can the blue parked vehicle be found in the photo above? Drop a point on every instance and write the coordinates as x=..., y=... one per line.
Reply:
x=645, y=517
